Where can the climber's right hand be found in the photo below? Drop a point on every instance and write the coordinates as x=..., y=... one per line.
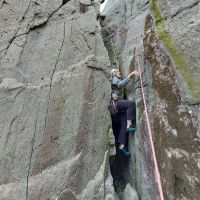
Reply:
x=134, y=73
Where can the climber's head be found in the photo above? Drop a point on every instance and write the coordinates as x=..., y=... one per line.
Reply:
x=116, y=73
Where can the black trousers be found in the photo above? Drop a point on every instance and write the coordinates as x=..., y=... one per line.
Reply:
x=129, y=107
x=127, y=111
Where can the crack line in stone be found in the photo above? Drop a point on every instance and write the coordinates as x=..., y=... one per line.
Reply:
x=19, y=60
x=31, y=28
x=9, y=43
x=52, y=77
x=183, y=9
x=26, y=11
x=3, y=3
x=9, y=132
x=32, y=148
x=81, y=44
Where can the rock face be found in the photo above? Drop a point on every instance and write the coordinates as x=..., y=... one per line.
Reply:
x=54, y=91
x=176, y=109
x=130, y=193
x=174, y=123
x=167, y=34
x=183, y=25
x=126, y=21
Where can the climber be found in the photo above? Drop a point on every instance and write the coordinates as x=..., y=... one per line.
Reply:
x=123, y=112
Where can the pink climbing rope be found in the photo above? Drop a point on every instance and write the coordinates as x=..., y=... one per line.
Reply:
x=157, y=173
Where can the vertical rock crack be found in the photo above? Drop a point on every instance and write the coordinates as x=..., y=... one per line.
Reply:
x=30, y=161
x=53, y=75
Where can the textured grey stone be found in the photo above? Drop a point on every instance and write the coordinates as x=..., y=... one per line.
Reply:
x=175, y=124
x=86, y=2
x=174, y=116
x=182, y=20
x=127, y=19
x=96, y=187
x=109, y=188
x=54, y=92
x=130, y=193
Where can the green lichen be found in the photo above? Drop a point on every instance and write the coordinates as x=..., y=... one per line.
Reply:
x=178, y=58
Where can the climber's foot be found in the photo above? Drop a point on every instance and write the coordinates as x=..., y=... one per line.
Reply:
x=131, y=128
x=124, y=152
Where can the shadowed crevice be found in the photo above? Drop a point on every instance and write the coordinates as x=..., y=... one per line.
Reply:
x=31, y=155
x=65, y=1
x=118, y=168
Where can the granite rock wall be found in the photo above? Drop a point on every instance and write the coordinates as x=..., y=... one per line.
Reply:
x=167, y=36
x=54, y=91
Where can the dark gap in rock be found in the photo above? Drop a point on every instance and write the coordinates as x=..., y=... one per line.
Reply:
x=106, y=32
x=65, y=1
x=118, y=167
x=177, y=185
x=101, y=17
x=4, y=3
x=38, y=26
x=36, y=3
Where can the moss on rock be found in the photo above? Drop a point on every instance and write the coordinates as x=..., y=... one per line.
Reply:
x=178, y=58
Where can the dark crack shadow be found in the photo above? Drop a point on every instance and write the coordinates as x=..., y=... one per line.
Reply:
x=53, y=72
x=4, y=3
x=65, y=1
x=118, y=168
x=31, y=155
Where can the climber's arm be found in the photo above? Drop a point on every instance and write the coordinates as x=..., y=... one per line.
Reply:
x=125, y=81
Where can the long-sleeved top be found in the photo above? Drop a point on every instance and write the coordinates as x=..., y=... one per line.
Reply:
x=118, y=86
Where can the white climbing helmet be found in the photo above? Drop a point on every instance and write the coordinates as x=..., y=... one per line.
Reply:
x=112, y=71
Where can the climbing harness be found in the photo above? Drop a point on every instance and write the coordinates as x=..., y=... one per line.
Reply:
x=113, y=107
x=157, y=173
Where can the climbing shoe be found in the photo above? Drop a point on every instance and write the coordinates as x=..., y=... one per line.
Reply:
x=131, y=128
x=124, y=152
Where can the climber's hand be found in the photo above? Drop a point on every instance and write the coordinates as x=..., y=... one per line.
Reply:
x=134, y=73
